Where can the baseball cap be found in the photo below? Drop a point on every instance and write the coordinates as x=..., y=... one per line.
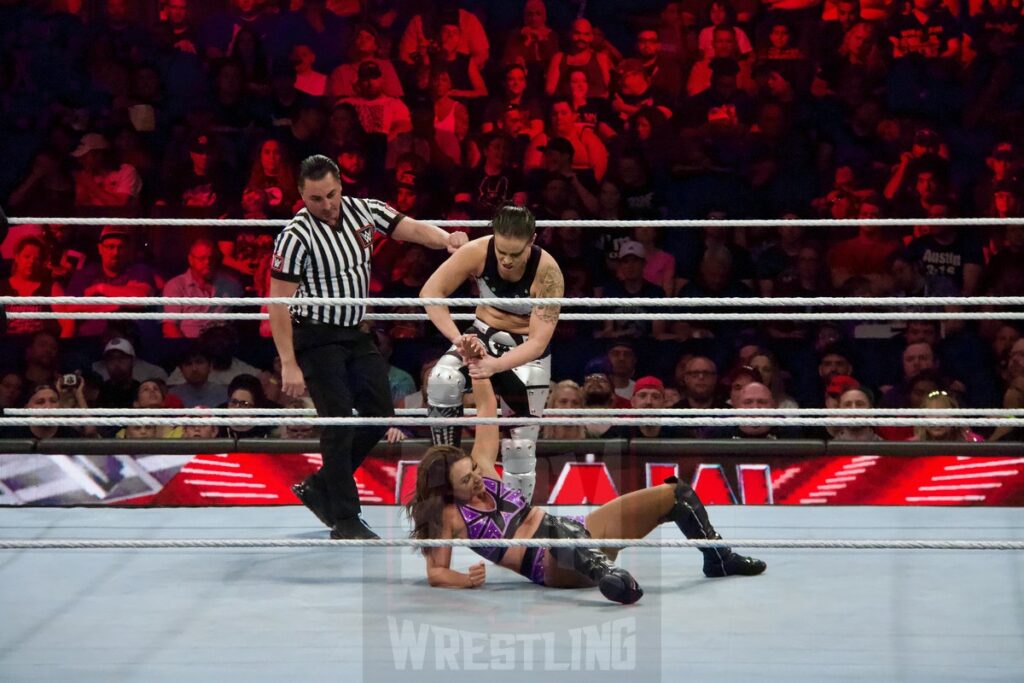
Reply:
x=597, y=366
x=631, y=248
x=557, y=144
x=648, y=382
x=90, y=142
x=114, y=231
x=840, y=384
x=121, y=345
x=369, y=70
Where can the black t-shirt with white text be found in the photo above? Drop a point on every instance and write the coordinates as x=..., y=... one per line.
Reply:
x=946, y=260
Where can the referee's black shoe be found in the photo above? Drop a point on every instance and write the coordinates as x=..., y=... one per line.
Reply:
x=313, y=495
x=352, y=527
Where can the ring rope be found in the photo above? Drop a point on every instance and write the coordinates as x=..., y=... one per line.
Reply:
x=741, y=317
x=585, y=302
x=842, y=544
x=706, y=421
x=550, y=412
x=584, y=223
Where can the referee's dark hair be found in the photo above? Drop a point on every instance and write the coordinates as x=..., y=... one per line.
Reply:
x=516, y=222
x=317, y=167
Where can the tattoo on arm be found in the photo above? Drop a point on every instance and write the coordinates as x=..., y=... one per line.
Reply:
x=551, y=285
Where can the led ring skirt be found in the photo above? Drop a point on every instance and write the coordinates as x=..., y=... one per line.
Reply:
x=880, y=593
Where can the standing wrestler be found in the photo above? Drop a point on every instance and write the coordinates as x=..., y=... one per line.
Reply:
x=516, y=337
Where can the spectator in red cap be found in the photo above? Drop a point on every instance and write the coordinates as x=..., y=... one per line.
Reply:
x=835, y=387
x=649, y=393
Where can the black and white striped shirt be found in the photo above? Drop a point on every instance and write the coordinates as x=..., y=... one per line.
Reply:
x=329, y=262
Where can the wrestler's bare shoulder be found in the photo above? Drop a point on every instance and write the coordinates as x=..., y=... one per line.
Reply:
x=478, y=245
x=547, y=261
x=548, y=282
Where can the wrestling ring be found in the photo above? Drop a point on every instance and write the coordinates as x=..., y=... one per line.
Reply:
x=852, y=593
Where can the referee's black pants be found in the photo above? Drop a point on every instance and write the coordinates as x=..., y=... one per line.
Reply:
x=343, y=369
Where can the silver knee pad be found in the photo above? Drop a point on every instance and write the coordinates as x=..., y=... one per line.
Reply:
x=536, y=377
x=519, y=463
x=445, y=386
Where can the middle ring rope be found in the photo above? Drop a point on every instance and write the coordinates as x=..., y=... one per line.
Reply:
x=704, y=421
x=586, y=302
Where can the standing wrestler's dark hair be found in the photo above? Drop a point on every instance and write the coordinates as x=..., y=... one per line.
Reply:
x=317, y=167
x=514, y=221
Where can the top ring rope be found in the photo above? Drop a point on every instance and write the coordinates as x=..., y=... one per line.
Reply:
x=585, y=302
x=662, y=223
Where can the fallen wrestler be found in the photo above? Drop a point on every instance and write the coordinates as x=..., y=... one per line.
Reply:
x=460, y=495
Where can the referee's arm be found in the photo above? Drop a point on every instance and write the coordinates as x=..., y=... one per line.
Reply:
x=292, y=382
x=428, y=234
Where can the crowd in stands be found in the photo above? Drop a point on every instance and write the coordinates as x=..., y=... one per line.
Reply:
x=700, y=109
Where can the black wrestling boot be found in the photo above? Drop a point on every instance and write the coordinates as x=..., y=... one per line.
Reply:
x=352, y=528
x=313, y=495
x=615, y=583
x=618, y=585
x=691, y=517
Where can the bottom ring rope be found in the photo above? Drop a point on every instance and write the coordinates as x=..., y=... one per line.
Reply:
x=841, y=544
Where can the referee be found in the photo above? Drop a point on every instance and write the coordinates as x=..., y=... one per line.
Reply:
x=325, y=252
